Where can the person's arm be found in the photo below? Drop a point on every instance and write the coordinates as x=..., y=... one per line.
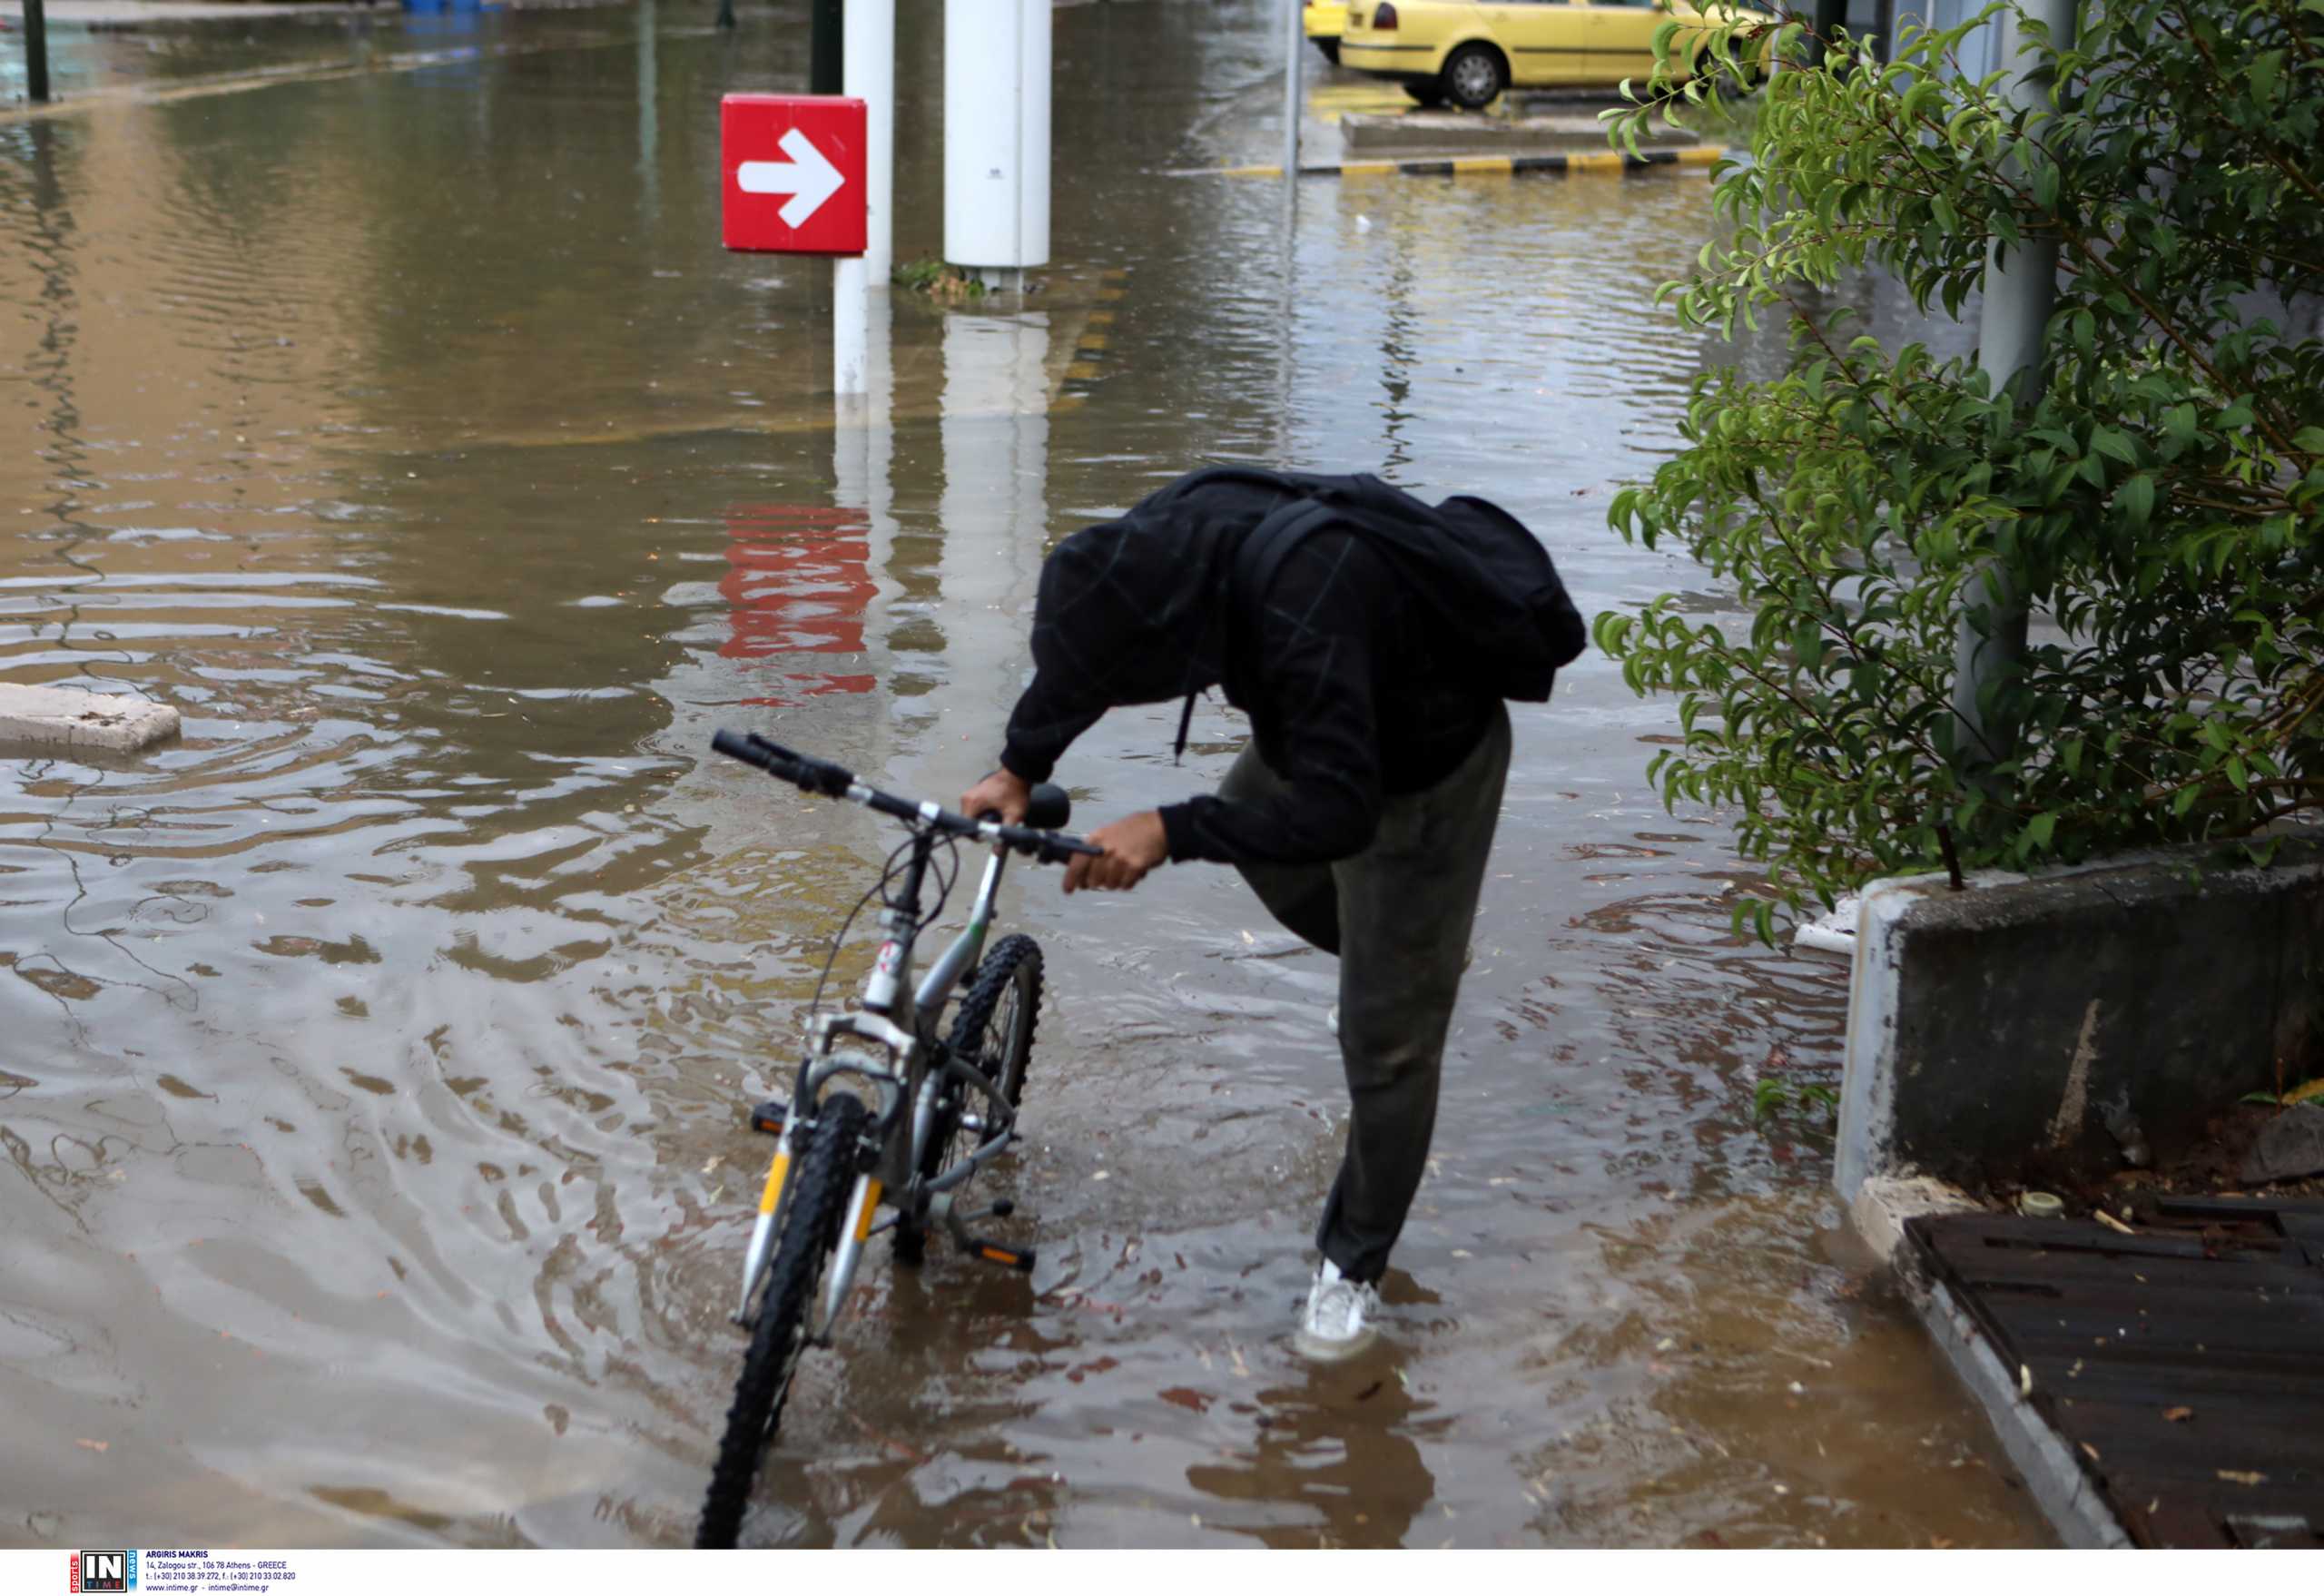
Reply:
x=1316, y=661
x=1041, y=727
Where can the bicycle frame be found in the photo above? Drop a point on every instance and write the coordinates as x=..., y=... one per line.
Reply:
x=892, y=1046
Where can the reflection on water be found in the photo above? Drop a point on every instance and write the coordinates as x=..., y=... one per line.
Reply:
x=377, y=1048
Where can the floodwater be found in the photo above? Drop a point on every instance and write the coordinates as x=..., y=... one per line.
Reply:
x=376, y=1052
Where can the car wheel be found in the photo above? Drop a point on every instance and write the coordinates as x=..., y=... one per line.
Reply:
x=1331, y=49
x=1474, y=76
x=1428, y=95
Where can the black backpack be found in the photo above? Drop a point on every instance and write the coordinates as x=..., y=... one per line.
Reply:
x=1488, y=579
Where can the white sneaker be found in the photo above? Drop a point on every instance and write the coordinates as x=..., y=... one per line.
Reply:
x=1331, y=1018
x=1338, y=1320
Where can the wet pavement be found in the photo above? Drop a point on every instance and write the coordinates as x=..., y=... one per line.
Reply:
x=376, y=1052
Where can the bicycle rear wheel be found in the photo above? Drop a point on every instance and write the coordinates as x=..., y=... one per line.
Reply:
x=994, y=1031
x=810, y=1222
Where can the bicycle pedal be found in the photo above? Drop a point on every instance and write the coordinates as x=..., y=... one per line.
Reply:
x=1018, y=1258
x=769, y=1116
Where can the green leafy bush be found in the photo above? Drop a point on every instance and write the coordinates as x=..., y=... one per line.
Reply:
x=2161, y=501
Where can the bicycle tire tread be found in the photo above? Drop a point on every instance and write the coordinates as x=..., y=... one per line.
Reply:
x=817, y=1202
x=993, y=977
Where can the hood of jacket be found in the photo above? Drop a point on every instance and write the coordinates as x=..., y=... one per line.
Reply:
x=1135, y=610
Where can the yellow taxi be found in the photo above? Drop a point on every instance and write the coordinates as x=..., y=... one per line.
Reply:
x=1325, y=20
x=1466, y=52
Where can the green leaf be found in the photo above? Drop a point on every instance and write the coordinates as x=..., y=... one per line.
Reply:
x=2265, y=69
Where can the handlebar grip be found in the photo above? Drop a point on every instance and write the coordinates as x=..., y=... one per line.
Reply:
x=735, y=745
x=1048, y=808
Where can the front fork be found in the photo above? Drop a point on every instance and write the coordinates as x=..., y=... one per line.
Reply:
x=854, y=1230
x=864, y=1200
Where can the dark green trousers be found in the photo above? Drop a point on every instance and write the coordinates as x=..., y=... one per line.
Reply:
x=1398, y=916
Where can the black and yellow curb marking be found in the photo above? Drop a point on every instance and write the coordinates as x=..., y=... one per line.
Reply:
x=1487, y=165
x=1087, y=369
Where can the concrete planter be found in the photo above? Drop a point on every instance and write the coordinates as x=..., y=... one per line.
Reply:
x=2034, y=1028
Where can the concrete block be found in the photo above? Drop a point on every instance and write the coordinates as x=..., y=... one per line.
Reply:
x=2290, y=1145
x=1883, y=1203
x=34, y=718
x=1995, y=1033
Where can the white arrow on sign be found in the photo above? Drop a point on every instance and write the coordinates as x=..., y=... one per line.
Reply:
x=808, y=177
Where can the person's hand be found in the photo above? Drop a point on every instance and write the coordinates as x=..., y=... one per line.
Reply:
x=1133, y=847
x=1001, y=790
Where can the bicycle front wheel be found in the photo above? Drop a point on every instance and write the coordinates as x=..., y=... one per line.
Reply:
x=810, y=1222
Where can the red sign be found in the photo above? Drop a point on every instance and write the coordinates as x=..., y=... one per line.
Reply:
x=794, y=168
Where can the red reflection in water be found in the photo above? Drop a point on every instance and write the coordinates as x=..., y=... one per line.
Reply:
x=798, y=583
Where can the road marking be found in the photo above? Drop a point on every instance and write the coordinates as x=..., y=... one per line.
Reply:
x=808, y=177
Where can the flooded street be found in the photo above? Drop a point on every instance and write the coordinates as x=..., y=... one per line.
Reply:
x=376, y=1053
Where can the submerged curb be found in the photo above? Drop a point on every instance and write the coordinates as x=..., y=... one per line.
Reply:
x=34, y=718
x=1484, y=165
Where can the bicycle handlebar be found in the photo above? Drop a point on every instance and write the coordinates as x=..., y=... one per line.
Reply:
x=826, y=780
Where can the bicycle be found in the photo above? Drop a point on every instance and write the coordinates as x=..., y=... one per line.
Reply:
x=942, y=1108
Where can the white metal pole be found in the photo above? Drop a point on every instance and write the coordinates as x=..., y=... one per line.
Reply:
x=2019, y=293
x=850, y=331
x=1035, y=72
x=1294, y=42
x=997, y=76
x=869, y=75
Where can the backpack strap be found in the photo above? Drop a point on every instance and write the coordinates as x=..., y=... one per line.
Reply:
x=1270, y=543
x=1257, y=560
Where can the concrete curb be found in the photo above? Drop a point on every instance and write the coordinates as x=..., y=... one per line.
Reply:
x=2052, y=1473
x=37, y=718
x=1611, y=160
x=1421, y=134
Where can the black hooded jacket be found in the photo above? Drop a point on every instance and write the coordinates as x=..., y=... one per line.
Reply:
x=1352, y=690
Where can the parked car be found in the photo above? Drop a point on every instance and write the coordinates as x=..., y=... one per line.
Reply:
x=1325, y=20
x=1466, y=52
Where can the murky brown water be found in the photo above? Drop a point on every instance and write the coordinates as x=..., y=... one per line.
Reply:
x=375, y=1053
